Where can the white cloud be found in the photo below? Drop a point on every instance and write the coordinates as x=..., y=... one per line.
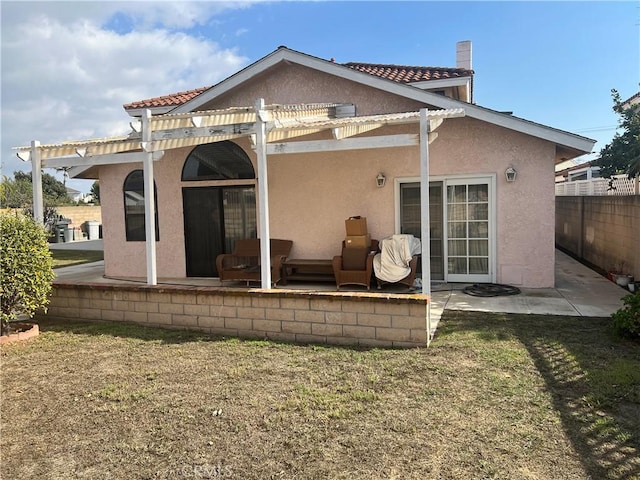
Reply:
x=66, y=75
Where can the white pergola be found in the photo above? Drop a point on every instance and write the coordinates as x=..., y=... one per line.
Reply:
x=270, y=128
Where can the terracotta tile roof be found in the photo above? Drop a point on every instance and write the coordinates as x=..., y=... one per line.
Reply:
x=407, y=74
x=172, y=100
x=396, y=73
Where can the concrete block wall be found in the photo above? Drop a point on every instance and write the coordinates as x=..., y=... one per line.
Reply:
x=365, y=319
x=603, y=230
x=81, y=214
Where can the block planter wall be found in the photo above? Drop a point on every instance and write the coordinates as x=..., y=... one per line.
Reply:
x=346, y=318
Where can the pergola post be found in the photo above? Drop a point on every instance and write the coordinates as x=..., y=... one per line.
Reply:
x=149, y=201
x=36, y=181
x=424, y=214
x=263, y=195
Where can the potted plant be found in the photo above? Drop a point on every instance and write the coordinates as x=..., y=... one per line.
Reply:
x=26, y=270
x=617, y=275
x=623, y=280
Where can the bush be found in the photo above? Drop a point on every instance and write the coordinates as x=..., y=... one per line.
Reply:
x=26, y=268
x=626, y=321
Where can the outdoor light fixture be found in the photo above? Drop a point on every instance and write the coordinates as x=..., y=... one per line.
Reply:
x=381, y=180
x=511, y=174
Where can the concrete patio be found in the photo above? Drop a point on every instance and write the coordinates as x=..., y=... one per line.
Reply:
x=579, y=291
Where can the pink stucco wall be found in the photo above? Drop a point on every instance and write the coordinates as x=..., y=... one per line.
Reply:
x=311, y=195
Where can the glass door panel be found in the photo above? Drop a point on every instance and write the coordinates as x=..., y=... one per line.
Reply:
x=410, y=221
x=214, y=218
x=239, y=211
x=468, y=245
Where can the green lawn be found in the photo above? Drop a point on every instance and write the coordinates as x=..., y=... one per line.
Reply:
x=65, y=258
x=495, y=396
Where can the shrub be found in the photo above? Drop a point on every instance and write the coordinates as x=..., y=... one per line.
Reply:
x=626, y=321
x=50, y=217
x=26, y=268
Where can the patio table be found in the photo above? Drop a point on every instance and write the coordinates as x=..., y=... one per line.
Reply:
x=312, y=270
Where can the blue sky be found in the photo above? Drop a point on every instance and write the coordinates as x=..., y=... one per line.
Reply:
x=67, y=67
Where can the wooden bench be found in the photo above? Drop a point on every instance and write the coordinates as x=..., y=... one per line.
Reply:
x=243, y=265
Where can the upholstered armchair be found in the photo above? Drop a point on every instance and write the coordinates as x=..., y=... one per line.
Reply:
x=409, y=280
x=398, y=260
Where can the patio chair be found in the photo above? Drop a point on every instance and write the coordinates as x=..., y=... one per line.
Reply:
x=398, y=260
x=355, y=265
x=409, y=280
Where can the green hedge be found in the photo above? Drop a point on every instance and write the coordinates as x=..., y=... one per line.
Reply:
x=26, y=267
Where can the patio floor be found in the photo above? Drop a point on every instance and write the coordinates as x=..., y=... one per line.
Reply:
x=579, y=291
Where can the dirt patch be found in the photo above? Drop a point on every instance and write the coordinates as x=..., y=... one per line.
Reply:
x=19, y=332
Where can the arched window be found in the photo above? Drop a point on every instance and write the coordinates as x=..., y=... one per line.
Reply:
x=217, y=161
x=134, y=207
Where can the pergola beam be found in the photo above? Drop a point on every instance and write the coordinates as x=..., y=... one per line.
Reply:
x=108, y=159
x=351, y=130
x=201, y=132
x=365, y=143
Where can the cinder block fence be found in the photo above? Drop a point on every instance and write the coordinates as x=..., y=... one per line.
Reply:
x=346, y=318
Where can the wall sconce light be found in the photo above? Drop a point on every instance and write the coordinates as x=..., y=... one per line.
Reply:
x=511, y=174
x=381, y=180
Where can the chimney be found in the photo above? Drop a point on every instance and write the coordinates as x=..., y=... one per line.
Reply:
x=463, y=55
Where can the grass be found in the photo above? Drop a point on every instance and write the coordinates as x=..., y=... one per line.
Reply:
x=65, y=258
x=494, y=397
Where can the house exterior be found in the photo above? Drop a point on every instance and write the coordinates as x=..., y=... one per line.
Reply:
x=482, y=227
x=74, y=195
x=632, y=101
x=571, y=171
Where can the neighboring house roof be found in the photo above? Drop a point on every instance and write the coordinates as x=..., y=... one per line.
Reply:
x=569, y=144
x=633, y=100
x=573, y=166
x=567, y=164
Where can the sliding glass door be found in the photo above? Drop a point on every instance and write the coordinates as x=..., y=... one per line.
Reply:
x=461, y=226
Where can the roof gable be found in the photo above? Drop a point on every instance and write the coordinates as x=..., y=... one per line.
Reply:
x=570, y=144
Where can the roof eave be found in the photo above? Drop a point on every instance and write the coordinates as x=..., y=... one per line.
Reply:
x=138, y=112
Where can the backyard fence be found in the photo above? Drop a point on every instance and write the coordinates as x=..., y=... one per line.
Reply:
x=603, y=230
x=617, y=185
